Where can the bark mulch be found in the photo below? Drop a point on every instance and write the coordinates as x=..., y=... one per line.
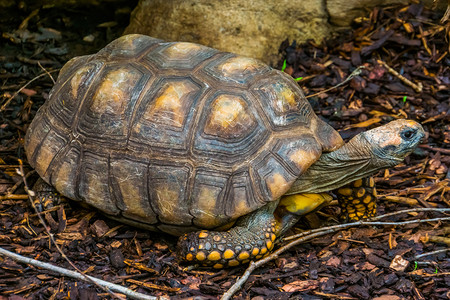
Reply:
x=405, y=55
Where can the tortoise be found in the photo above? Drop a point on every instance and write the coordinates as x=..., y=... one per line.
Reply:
x=219, y=149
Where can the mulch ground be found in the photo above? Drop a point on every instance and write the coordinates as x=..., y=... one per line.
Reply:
x=367, y=262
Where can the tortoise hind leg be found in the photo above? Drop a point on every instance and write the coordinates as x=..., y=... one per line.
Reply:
x=251, y=238
x=46, y=195
x=358, y=199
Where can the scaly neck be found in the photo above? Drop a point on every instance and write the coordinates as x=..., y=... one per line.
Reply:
x=352, y=161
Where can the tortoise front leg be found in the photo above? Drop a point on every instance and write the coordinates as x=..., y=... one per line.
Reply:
x=292, y=207
x=358, y=199
x=251, y=238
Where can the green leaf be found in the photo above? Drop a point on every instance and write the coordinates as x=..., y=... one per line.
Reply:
x=284, y=66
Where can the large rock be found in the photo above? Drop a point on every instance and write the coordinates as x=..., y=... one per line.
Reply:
x=342, y=12
x=253, y=28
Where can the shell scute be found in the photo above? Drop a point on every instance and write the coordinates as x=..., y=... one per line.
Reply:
x=68, y=98
x=229, y=117
x=231, y=129
x=235, y=69
x=179, y=55
x=109, y=104
x=208, y=196
x=243, y=196
x=131, y=198
x=64, y=178
x=274, y=179
x=165, y=116
x=298, y=153
x=283, y=101
x=168, y=192
x=45, y=153
x=127, y=47
x=93, y=184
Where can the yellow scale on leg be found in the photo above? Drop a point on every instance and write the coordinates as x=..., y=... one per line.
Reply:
x=358, y=199
x=224, y=249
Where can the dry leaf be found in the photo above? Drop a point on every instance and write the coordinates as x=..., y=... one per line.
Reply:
x=300, y=285
x=399, y=264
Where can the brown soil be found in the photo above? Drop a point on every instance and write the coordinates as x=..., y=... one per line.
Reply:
x=349, y=264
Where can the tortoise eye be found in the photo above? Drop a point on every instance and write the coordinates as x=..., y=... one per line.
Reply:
x=407, y=134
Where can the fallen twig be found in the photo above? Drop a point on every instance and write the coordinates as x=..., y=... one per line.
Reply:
x=436, y=239
x=446, y=15
x=406, y=211
x=45, y=70
x=24, y=86
x=154, y=286
x=334, y=296
x=416, y=87
x=442, y=150
x=431, y=253
x=13, y=197
x=397, y=199
x=76, y=275
x=307, y=235
x=356, y=72
x=430, y=275
x=424, y=41
x=13, y=189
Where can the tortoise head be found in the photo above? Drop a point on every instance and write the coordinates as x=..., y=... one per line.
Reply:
x=392, y=142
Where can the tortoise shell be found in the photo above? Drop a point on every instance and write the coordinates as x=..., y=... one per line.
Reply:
x=174, y=136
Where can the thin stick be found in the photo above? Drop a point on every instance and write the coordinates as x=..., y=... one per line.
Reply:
x=13, y=197
x=403, y=200
x=18, y=183
x=440, y=210
x=432, y=253
x=442, y=150
x=333, y=296
x=356, y=72
x=432, y=275
x=307, y=235
x=424, y=41
x=45, y=70
x=69, y=273
x=24, y=86
x=416, y=87
x=446, y=14
x=154, y=286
